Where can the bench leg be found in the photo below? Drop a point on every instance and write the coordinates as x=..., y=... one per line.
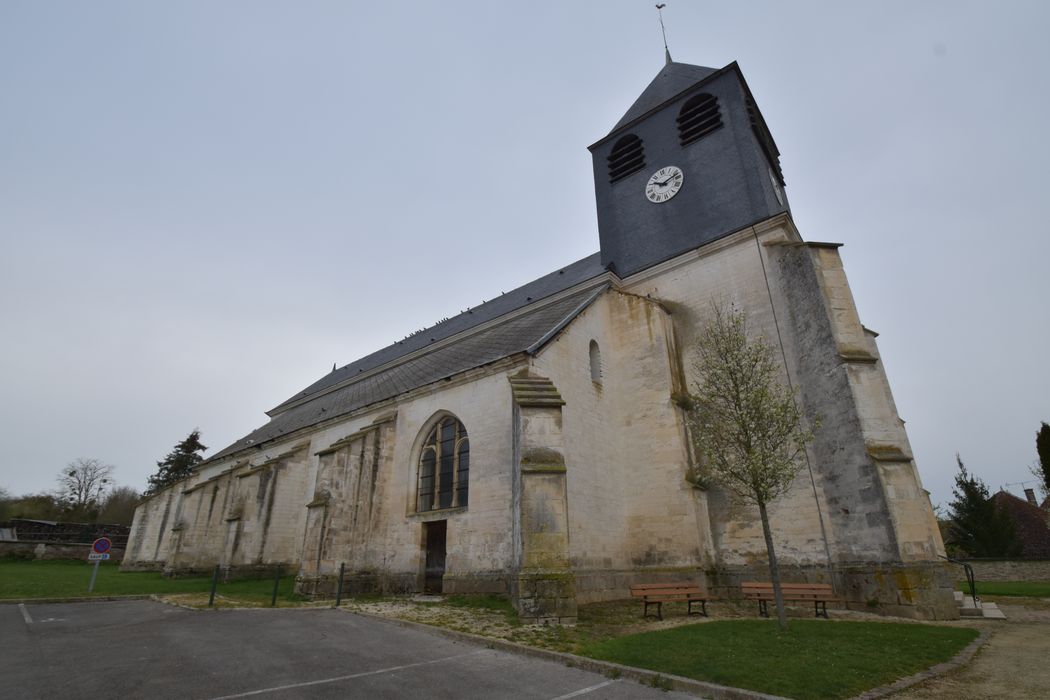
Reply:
x=703, y=607
x=763, y=608
x=820, y=609
x=659, y=609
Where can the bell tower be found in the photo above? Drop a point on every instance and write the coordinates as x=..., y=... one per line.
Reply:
x=691, y=161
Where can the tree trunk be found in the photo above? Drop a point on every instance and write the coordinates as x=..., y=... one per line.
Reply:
x=774, y=570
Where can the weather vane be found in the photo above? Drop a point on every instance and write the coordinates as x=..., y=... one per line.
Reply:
x=659, y=11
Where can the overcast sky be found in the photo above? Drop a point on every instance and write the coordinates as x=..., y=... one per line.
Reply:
x=203, y=205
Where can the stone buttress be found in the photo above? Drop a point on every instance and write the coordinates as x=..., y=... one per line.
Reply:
x=542, y=584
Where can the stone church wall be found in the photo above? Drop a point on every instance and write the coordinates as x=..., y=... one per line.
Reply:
x=151, y=530
x=631, y=512
x=730, y=273
x=345, y=493
x=858, y=501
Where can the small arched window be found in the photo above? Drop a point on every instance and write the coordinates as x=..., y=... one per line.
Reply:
x=627, y=157
x=444, y=467
x=698, y=118
x=596, y=363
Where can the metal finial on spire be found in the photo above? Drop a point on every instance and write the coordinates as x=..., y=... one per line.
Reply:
x=659, y=11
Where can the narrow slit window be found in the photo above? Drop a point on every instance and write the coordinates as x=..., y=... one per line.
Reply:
x=596, y=363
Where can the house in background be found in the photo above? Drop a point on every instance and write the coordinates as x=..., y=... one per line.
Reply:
x=1031, y=522
x=534, y=445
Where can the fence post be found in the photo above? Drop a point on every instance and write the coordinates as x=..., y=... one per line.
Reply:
x=214, y=582
x=339, y=584
x=276, y=583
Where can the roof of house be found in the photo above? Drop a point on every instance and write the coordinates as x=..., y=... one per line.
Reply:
x=406, y=366
x=1030, y=522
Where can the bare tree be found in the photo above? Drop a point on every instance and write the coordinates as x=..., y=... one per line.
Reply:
x=745, y=426
x=81, y=485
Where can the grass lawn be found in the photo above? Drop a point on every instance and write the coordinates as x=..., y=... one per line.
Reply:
x=62, y=579
x=813, y=659
x=1030, y=589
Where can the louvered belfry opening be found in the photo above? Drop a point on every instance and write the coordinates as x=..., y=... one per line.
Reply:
x=765, y=139
x=698, y=118
x=627, y=157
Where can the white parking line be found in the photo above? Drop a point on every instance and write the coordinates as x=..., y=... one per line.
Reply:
x=344, y=678
x=25, y=613
x=584, y=691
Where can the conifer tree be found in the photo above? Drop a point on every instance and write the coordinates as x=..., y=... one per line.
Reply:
x=178, y=464
x=1041, y=470
x=977, y=525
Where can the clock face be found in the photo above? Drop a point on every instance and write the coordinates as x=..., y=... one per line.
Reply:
x=664, y=184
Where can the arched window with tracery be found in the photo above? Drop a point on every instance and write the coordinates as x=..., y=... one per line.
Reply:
x=444, y=467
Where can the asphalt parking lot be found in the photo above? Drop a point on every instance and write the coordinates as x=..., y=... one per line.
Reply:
x=143, y=649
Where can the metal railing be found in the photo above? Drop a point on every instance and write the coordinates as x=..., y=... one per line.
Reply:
x=970, y=579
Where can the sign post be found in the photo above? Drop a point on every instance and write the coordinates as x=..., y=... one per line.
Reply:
x=99, y=552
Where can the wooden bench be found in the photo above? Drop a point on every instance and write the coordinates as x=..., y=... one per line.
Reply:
x=819, y=593
x=659, y=593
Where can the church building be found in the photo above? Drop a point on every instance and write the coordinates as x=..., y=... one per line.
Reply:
x=536, y=445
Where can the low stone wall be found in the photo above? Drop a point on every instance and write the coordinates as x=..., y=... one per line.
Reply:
x=51, y=550
x=1006, y=570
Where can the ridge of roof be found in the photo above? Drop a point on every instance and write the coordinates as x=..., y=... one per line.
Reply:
x=672, y=79
x=531, y=292
x=525, y=332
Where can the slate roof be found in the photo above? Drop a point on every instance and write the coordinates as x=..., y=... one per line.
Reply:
x=548, y=285
x=671, y=80
x=1030, y=522
x=526, y=332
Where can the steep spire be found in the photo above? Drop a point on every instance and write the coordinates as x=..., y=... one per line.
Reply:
x=660, y=12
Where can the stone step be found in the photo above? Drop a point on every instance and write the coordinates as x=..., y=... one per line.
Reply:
x=983, y=609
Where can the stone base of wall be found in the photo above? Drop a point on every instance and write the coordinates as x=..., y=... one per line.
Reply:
x=485, y=582
x=228, y=572
x=17, y=549
x=596, y=585
x=920, y=590
x=545, y=597
x=142, y=566
x=357, y=583
x=1005, y=570
x=923, y=591
x=379, y=583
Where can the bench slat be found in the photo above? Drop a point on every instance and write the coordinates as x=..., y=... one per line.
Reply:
x=817, y=593
x=659, y=593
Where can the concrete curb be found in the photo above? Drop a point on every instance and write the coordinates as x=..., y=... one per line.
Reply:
x=606, y=668
x=160, y=598
x=957, y=661
x=86, y=599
